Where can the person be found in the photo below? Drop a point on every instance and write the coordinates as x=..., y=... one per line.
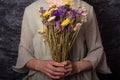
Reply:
x=86, y=57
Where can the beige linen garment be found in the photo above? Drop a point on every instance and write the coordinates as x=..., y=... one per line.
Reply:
x=87, y=46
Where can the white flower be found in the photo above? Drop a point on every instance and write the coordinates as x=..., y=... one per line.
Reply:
x=51, y=18
x=77, y=27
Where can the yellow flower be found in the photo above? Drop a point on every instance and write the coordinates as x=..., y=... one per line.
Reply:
x=41, y=31
x=48, y=13
x=65, y=22
x=53, y=6
x=77, y=27
x=69, y=3
x=69, y=12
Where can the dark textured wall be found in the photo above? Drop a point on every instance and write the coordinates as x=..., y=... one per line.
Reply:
x=108, y=15
x=11, y=12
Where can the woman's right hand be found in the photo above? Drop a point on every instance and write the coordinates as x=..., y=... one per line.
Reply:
x=51, y=68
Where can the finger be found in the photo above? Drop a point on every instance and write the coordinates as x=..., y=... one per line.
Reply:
x=69, y=66
x=69, y=70
x=55, y=73
x=56, y=64
x=69, y=73
x=60, y=69
x=56, y=69
x=52, y=76
x=66, y=62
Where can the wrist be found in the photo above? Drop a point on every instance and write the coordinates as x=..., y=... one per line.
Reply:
x=76, y=67
x=84, y=65
x=79, y=66
x=37, y=65
x=33, y=64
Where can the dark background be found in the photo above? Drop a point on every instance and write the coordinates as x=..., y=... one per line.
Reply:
x=11, y=12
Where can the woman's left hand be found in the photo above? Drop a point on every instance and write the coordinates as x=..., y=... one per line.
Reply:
x=68, y=67
x=76, y=66
x=71, y=67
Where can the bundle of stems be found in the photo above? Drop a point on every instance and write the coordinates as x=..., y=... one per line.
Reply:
x=61, y=26
x=60, y=42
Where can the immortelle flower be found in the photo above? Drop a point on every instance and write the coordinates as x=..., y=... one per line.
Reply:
x=65, y=22
x=41, y=31
x=48, y=13
x=61, y=27
x=68, y=3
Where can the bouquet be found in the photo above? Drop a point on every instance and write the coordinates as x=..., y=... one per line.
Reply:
x=61, y=27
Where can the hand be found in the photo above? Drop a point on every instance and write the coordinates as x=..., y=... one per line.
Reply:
x=79, y=66
x=75, y=67
x=68, y=67
x=51, y=68
x=71, y=67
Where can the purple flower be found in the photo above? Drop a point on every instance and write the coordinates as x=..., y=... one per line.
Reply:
x=42, y=10
x=55, y=13
x=58, y=24
x=79, y=13
x=69, y=29
x=65, y=8
x=61, y=13
x=74, y=12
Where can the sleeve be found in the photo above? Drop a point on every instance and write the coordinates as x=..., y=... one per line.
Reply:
x=26, y=49
x=95, y=53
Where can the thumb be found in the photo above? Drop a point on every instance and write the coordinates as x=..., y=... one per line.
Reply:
x=66, y=62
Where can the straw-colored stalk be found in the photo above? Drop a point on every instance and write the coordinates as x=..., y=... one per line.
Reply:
x=60, y=42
